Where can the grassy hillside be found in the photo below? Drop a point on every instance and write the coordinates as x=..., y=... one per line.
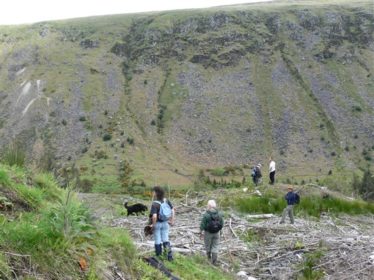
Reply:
x=116, y=101
x=47, y=234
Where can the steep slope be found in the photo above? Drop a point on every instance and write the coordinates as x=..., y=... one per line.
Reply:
x=170, y=93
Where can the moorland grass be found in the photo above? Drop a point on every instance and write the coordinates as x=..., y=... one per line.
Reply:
x=312, y=205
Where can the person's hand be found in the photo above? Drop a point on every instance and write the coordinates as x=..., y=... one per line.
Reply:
x=171, y=221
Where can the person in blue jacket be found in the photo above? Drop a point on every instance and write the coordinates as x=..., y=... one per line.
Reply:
x=291, y=199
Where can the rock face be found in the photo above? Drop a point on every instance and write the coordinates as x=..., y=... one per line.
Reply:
x=182, y=90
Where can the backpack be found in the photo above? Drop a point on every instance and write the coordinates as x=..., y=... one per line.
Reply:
x=165, y=211
x=253, y=174
x=214, y=224
x=297, y=198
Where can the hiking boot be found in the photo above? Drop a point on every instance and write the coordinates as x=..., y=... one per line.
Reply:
x=167, y=248
x=209, y=255
x=158, y=249
x=214, y=258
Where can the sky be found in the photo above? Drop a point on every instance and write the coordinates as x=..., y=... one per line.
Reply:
x=30, y=11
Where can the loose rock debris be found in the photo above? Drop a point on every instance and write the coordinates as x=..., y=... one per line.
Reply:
x=265, y=249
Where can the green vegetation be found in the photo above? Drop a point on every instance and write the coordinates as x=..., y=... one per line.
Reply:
x=310, y=205
x=220, y=79
x=205, y=182
x=14, y=155
x=218, y=172
x=57, y=239
x=195, y=267
x=365, y=187
x=251, y=236
x=308, y=270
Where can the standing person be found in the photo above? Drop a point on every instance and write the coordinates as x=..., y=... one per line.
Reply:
x=292, y=199
x=210, y=226
x=162, y=213
x=256, y=174
x=272, y=171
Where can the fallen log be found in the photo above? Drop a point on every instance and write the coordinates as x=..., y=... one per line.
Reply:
x=260, y=216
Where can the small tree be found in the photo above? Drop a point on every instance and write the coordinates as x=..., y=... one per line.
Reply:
x=365, y=187
x=125, y=172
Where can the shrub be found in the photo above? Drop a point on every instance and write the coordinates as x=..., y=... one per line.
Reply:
x=218, y=172
x=100, y=154
x=107, y=137
x=125, y=172
x=365, y=187
x=130, y=140
x=14, y=155
x=308, y=267
x=85, y=185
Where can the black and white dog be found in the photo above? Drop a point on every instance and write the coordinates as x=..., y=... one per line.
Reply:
x=136, y=208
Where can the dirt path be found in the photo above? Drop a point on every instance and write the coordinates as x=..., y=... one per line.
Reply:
x=272, y=251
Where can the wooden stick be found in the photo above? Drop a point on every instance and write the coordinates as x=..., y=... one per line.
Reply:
x=233, y=232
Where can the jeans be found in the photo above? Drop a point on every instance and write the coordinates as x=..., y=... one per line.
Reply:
x=161, y=232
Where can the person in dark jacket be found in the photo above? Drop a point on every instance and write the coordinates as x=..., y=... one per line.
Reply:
x=161, y=228
x=256, y=174
x=291, y=199
x=210, y=230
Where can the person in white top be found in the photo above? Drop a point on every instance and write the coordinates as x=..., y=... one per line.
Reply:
x=272, y=171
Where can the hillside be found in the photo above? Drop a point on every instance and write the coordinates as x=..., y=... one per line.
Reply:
x=45, y=233
x=159, y=96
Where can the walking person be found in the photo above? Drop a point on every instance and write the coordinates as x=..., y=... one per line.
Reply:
x=271, y=171
x=292, y=199
x=162, y=214
x=210, y=227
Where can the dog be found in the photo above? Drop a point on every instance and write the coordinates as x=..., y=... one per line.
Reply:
x=135, y=209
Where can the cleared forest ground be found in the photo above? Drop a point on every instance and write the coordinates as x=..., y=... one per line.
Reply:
x=335, y=247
